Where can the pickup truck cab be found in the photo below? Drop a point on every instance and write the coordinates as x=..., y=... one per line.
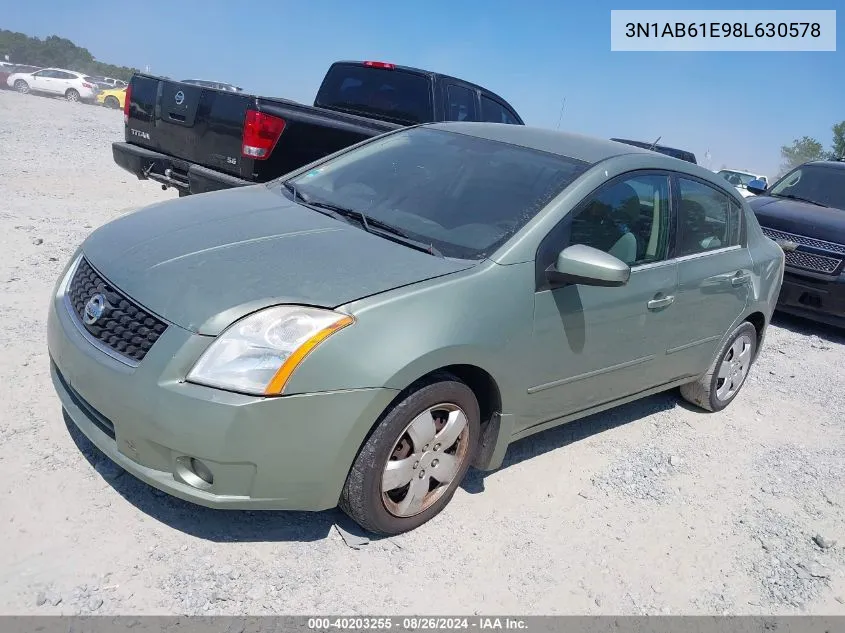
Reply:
x=200, y=139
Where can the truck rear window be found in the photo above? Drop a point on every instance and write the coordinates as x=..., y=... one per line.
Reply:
x=394, y=95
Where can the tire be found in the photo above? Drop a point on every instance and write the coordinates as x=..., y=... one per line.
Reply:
x=724, y=379
x=407, y=506
x=22, y=87
x=72, y=95
x=111, y=102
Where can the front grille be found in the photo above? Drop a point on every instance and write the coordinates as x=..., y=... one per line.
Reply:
x=124, y=327
x=821, y=245
x=809, y=261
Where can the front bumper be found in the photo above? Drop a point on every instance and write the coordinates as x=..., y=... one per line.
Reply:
x=285, y=453
x=185, y=176
x=817, y=297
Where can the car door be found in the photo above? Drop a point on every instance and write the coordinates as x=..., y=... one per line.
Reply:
x=592, y=345
x=714, y=273
x=63, y=81
x=41, y=80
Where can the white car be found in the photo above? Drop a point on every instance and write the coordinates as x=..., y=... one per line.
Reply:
x=739, y=178
x=70, y=84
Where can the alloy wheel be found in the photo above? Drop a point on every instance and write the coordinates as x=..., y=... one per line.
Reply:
x=734, y=367
x=425, y=459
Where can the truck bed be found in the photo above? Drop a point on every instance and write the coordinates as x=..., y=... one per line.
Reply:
x=205, y=127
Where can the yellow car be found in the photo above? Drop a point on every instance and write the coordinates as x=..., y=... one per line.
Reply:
x=112, y=98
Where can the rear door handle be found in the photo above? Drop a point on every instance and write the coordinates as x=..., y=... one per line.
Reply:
x=740, y=279
x=655, y=304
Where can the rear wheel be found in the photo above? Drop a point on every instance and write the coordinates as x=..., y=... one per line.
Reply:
x=72, y=95
x=111, y=102
x=409, y=468
x=22, y=87
x=722, y=382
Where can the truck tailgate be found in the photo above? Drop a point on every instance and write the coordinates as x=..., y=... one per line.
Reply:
x=196, y=124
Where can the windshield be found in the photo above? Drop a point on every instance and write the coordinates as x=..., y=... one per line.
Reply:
x=464, y=195
x=737, y=178
x=394, y=94
x=821, y=184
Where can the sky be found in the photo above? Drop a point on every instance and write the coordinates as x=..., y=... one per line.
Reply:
x=739, y=107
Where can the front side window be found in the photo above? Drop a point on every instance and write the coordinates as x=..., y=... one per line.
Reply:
x=817, y=184
x=706, y=219
x=495, y=112
x=465, y=195
x=628, y=218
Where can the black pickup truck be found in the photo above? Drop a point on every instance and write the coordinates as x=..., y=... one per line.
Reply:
x=200, y=139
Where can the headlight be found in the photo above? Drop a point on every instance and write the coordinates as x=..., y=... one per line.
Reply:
x=258, y=354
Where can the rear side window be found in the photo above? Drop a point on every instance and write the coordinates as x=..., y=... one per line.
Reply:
x=460, y=103
x=495, y=112
x=707, y=219
x=390, y=94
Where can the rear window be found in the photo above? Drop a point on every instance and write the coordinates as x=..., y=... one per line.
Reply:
x=394, y=95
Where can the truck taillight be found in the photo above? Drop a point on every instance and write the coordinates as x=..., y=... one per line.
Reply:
x=384, y=65
x=261, y=133
x=127, y=97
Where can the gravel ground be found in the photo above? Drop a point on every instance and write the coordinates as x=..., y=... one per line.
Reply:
x=651, y=508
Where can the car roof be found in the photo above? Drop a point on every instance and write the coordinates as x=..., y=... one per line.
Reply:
x=739, y=171
x=836, y=164
x=64, y=70
x=578, y=146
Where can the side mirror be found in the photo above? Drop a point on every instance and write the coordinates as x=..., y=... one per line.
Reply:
x=757, y=186
x=580, y=264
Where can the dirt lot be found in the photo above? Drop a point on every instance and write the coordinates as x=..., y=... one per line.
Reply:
x=651, y=508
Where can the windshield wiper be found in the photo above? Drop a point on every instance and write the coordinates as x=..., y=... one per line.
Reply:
x=382, y=228
x=306, y=200
x=799, y=199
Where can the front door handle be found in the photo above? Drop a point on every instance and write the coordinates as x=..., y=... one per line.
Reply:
x=656, y=304
x=739, y=279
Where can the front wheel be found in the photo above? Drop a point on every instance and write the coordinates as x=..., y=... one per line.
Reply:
x=22, y=87
x=112, y=102
x=72, y=95
x=722, y=382
x=409, y=468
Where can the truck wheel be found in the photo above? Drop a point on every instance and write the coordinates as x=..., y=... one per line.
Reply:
x=722, y=382
x=111, y=102
x=22, y=87
x=72, y=95
x=412, y=463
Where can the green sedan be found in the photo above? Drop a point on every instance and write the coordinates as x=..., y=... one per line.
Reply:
x=363, y=330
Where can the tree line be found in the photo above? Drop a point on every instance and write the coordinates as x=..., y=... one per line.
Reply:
x=58, y=52
x=807, y=148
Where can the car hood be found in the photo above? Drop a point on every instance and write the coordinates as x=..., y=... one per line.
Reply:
x=203, y=261
x=800, y=218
